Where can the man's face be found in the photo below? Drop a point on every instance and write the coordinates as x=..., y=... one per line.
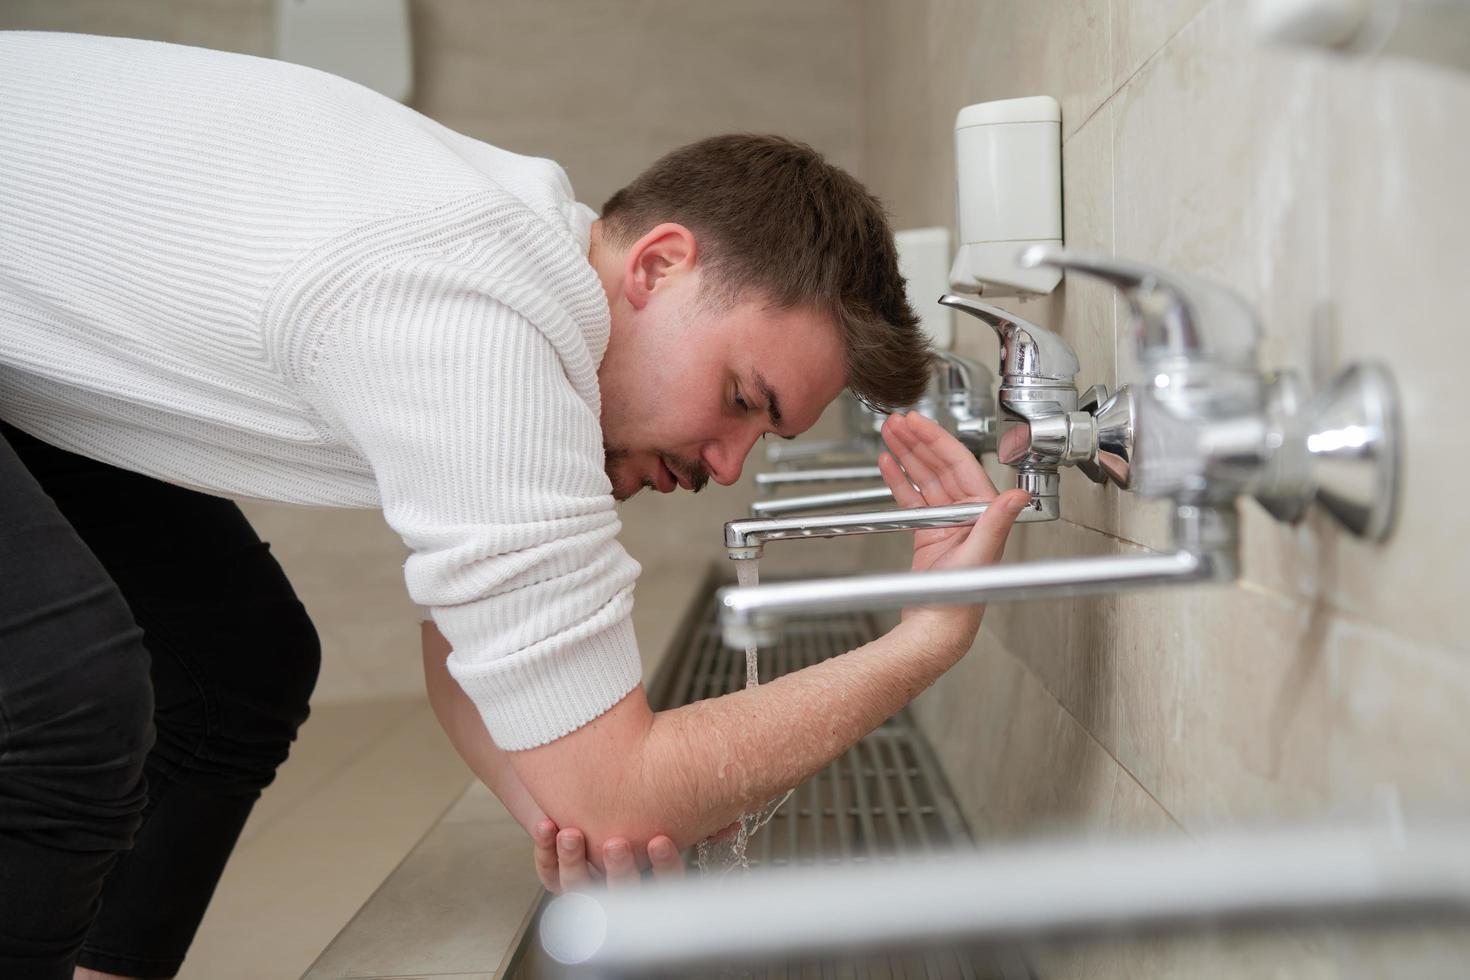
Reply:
x=688, y=388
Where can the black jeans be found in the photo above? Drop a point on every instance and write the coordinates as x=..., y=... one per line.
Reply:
x=155, y=666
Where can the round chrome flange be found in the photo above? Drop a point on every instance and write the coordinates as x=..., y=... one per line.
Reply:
x=1356, y=450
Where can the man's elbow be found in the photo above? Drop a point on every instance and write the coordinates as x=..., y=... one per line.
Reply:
x=603, y=781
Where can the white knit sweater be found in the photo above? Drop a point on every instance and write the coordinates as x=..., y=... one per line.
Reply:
x=256, y=279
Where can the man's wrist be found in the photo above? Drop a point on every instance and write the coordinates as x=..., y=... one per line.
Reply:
x=947, y=632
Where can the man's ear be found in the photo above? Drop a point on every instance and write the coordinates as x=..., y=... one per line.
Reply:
x=657, y=259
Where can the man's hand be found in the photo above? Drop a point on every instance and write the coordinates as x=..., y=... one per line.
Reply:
x=925, y=466
x=561, y=860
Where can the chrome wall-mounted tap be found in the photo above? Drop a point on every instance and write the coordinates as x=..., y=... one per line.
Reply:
x=1213, y=427
x=1044, y=424
x=1210, y=428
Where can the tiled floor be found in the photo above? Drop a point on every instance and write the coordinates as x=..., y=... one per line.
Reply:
x=364, y=783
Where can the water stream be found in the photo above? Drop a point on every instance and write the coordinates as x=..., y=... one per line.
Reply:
x=725, y=854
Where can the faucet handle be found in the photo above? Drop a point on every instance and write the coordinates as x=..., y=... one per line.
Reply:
x=1112, y=418
x=1026, y=350
x=1175, y=315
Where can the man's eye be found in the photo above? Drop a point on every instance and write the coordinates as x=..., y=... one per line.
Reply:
x=741, y=403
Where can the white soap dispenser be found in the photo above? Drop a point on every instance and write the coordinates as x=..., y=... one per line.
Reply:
x=1008, y=194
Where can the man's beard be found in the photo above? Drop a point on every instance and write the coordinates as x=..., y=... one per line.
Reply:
x=611, y=457
x=692, y=470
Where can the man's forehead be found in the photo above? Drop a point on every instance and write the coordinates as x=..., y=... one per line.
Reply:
x=796, y=394
x=800, y=368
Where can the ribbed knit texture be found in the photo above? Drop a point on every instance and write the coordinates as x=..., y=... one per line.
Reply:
x=256, y=279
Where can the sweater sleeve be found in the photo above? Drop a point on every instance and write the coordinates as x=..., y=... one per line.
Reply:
x=490, y=467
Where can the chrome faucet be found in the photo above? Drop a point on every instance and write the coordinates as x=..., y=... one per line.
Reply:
x=1044, y=424
x=1214, y=428
x=1210, y=429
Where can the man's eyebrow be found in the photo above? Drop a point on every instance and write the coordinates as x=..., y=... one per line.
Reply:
x=773, y=404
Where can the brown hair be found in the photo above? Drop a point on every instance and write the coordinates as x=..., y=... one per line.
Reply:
x=772, y=216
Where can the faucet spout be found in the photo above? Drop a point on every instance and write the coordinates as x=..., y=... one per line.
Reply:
x=1206, y=544
x=753, y=615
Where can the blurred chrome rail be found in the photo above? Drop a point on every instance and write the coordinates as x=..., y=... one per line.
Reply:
x=1023, y=891
x=770, y=482
x=820, y=501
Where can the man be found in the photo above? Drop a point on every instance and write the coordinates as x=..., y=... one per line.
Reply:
x=225, y=275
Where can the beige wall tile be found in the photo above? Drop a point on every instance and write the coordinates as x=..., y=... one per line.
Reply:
x=1142, y=27
x=229, y=25
x=985, y=51
x=1220, y=147
x=606, y=88
x=1397, y=294
x=247, y=26
x=1212, y=697
x=1063, y=642
x=1019, y=763
x=1398, y=713
x=1221, y=703
x=924, y=61
x=903, y=130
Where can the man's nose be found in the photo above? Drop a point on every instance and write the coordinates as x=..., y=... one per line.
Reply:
x=726, y=458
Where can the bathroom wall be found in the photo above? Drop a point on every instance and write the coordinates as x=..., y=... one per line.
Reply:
x=1328, y=191
x=604, y=89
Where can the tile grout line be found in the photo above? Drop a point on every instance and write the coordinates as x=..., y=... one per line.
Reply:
x=1251, y=585
x=1162, y=46
x=1096, y=741
x=1348, y=617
